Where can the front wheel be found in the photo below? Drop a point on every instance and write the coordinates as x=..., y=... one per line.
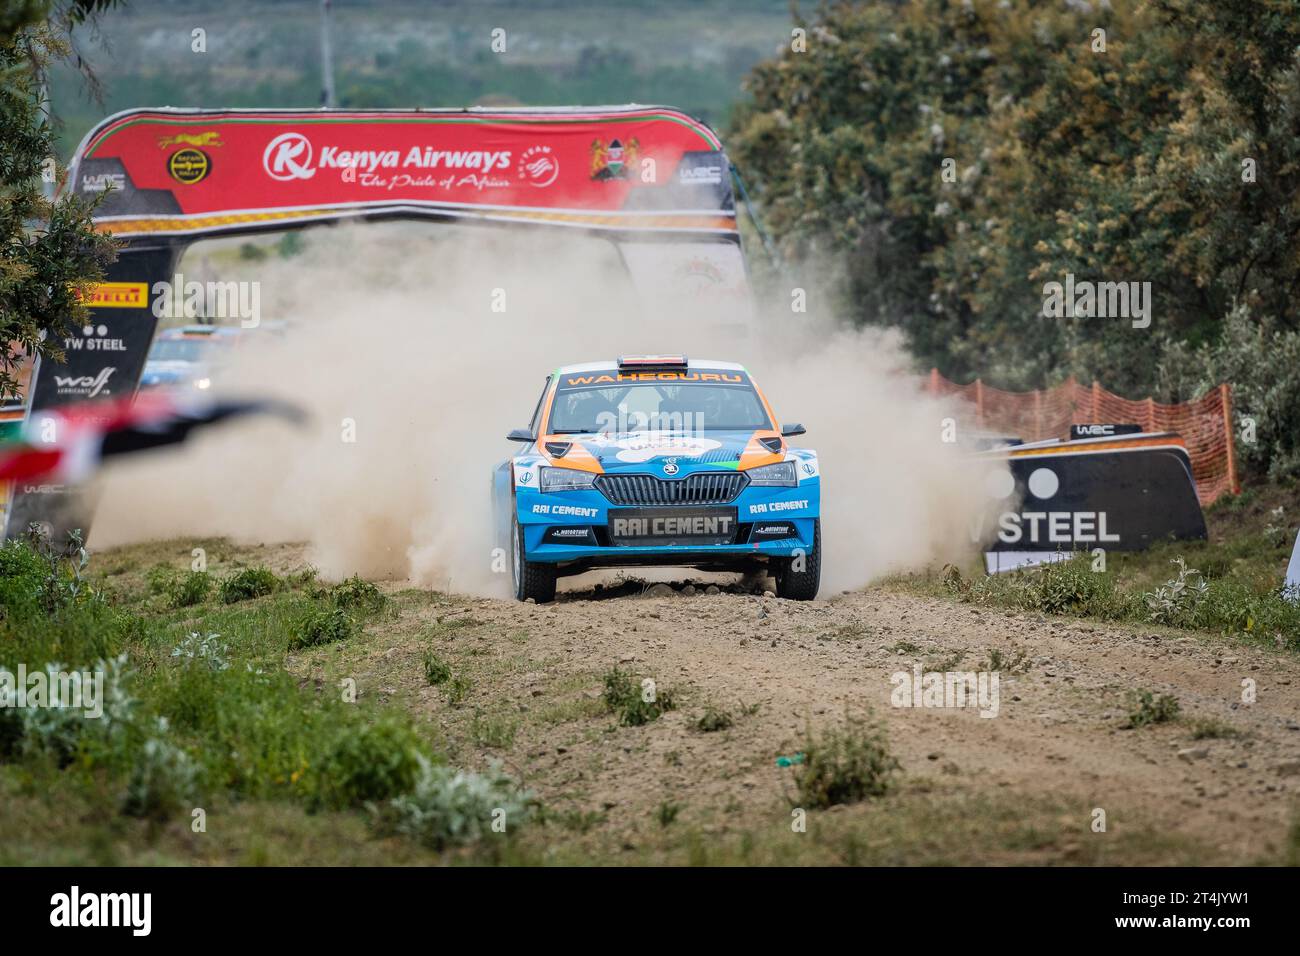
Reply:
x=799, y=577
x=532, y=579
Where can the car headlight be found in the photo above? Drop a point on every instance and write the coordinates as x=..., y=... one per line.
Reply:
x=566, y=479
x=203, y=383
x=780, y=475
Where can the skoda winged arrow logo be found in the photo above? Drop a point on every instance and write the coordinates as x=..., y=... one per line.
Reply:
x=670, y=466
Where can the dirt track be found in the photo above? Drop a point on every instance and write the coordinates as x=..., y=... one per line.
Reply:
x=1057, y=747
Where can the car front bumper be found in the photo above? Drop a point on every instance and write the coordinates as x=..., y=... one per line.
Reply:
x=570, y=527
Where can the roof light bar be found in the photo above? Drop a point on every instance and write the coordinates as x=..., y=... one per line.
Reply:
x=652, y=361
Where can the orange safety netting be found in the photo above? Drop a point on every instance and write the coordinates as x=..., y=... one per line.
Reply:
x=1204, y=424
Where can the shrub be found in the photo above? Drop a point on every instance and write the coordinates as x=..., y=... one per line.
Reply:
x=1210, y=728
x=249, y=583
x=189, y=590
x=447, y=807
x=1177, y=601
x=436, y=670
x=1014, y=662
x=713, y=720
x=627, y=698
x=163, y=779
x=357, y=594
x=458, y=689
x=261, y=734
x=204, y=649
x=160, y=578
x=1064, y=587
x=667, y=812
x=300, y=579
x=1258, y=355
x=11, y=733
x=845, y=765
x=1291, y=849
x=1069, y=587
x=323, y=627
x=1145, y=708
x=376, y=762
x=62, y=568
x=63, y=732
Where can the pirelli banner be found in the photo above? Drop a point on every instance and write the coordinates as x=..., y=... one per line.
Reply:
x=654, y=181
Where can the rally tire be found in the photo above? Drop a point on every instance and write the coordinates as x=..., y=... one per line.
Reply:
x=532, y=579
x=801, y=585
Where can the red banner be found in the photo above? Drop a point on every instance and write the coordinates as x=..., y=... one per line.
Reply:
x=185, y=171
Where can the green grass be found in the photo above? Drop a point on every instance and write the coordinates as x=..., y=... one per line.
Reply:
x=1230, y=585
x=714, y=719
x=1211, y=728
x=249, y=583
x=436, y=670
x=323, y=626
x=199, y=707
x=1233, y=589
x=1146, y=708
x=288, y=771
x=844, y=764
x=458, y=688
x=493, y=731
x=635, y=702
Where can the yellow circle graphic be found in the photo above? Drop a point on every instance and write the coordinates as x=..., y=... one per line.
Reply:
x=189, y=166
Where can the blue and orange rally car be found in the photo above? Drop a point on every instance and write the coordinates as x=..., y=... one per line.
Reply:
x=657, y=460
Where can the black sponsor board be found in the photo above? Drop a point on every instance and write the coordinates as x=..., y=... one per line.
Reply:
x=1118, y=500
x=672, y=527
x=103, y=359
x=96, y=176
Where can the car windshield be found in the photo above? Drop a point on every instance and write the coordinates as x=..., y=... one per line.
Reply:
x=179, y=350
x=657, y=407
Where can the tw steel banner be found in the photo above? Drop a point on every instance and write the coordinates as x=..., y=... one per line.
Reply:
x=101, y=359
x=176, y=172
x=1125, y=494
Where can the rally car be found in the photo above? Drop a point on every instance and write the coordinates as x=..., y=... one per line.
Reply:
x=657, y=460
x=187, y=357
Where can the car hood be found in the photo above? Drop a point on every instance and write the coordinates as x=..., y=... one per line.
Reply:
x=169, y=371
x=649, y=451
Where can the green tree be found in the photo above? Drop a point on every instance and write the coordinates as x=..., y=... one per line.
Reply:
x=49, y=251
x=955, y=156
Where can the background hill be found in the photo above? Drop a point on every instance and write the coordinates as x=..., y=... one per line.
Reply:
x=432, y=53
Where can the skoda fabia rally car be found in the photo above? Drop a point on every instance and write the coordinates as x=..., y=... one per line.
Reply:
x=657, y=460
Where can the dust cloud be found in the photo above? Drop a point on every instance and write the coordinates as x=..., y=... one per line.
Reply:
x=416, y=348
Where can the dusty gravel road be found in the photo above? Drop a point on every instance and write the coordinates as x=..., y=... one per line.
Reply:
x=1019, y=787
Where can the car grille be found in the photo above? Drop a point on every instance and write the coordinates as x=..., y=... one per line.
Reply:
x=705, y=488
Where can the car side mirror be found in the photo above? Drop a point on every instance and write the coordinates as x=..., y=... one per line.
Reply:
x=791, y=429
x=521, y=434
